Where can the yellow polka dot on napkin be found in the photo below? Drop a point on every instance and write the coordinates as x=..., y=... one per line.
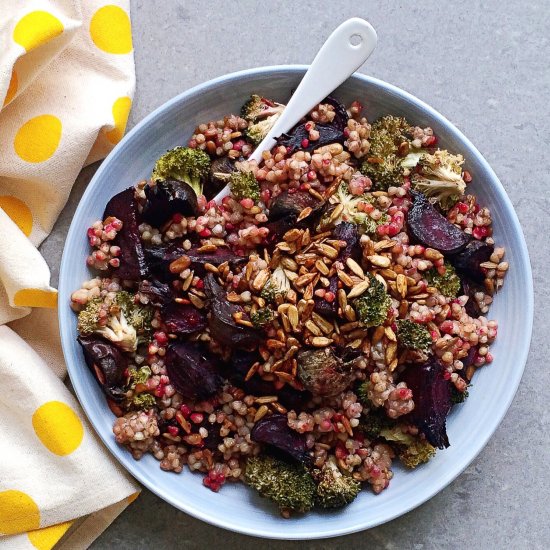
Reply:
x=18, y=211
x=38, y=139
x=58, y=427
x=47, y=538
x=12, y=88
x=111, y=31
x=18, y=512
x=121, y=110
x=36, y=28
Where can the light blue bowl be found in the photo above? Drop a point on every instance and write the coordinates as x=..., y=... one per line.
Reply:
x=236, y=507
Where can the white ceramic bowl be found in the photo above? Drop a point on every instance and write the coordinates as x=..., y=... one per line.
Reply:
x=237, y=507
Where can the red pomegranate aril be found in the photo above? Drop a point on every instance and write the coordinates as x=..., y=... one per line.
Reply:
x=305, y=143
x=197, y=418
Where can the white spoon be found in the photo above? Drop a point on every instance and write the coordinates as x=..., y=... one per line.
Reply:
x=344, y=51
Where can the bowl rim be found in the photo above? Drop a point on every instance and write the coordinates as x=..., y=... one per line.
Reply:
x=187, y=507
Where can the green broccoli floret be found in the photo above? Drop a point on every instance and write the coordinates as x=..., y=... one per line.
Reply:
x=261, y=114
x=118, y=319
x=372, y=307
x=334, y=489
x=143, y=401
x=440, y=178
x=244, y=185
x=384, y=164
x=352, y=210
x=458, y=396
x=261, y=317
x=183, y=164
x=448, y=283
x=362, y=393
x=138, y=376
x=371, y=423
x=290, y=486
x=414, y=335
x=277, y=285
x=418, y=452
x=395, y=434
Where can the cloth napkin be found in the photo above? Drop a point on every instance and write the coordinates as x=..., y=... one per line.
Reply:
x=66, y=86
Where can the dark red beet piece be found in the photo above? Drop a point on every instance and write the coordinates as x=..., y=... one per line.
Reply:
x=158, y=293
x=132, y=258
x=193, y=373
x=160, y=257
x=432, y=400
x=273, y=430
x=221, y=323
x=430, y=228
x=167, y=198
x=237, y=369
x=107, y=364
x=182, y=318
x=469, y=288
x=327, y=308
x=215, y=183
x=468, y=261
x=332, y=132
x=347, y=231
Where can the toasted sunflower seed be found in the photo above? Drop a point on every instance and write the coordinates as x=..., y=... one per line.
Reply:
x=321, y=341
x=293, y=317
x=260, y=279
x=401, y=284
x=383, y=245
x=322, y=267
x=378, y=335
x=379, y=261
x=355, y=267
x=328, y=251
x=359, y=289
x=260, y=413
x=345, y=278
x=292, y=235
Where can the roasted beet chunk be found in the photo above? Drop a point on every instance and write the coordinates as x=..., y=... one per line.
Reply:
x=193, y=373
x=156, y=292
x=333, y=132
x=324, y=307
x=274, y=431
x=107, y=363
x=221, y=323
x=237, y=369
x=220, y=169
x=285, y=209
x=469, y=288
x=347, y=231
x=167, y=198
x=132, y=259
x=182, y=318
x=159, y=258
x=430, y=228
x=469, y=260
x=432, y=400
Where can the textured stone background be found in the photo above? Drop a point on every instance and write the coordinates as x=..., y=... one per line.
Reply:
x=484, y=65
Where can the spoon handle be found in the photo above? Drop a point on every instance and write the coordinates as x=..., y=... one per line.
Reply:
x=345, y=50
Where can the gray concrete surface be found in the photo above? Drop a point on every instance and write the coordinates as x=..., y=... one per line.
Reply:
x=485, y=66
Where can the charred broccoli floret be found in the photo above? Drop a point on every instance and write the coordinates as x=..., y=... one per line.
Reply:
x=362, y=393
x=183, y=164
x=334, y=489
x=412, y=450
x=143, y=401
x=261, y=317
x=118, y=319
x=261, y=114
x=354, y=211
x=244, y=185
x=372, y=307
x=413, y=335
x=458, y=396
x=389, y=145
x=277, y=285
x=440, y=178
x=290, y=486
x=416, y=453
x=373, y=422
x=448, y=283
x=138, y=376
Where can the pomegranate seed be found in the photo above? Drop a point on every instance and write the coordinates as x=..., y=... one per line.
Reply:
x=160, y=337
x=246, y=203
x=393, y=229
x=431, y=141
x=312, y=175
x=197, y=418
x=326, y=162
x=305, y=143
x=308, y=126
x=205, y=232
x=173, y=430
x=346, y=132
x=329, y=297
x=185, y=410
x=199, y=285
x=382, y=229
x=176, y=218
x=489, y=357
x=404, y=393
x=462, y=207
x=447, y=375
